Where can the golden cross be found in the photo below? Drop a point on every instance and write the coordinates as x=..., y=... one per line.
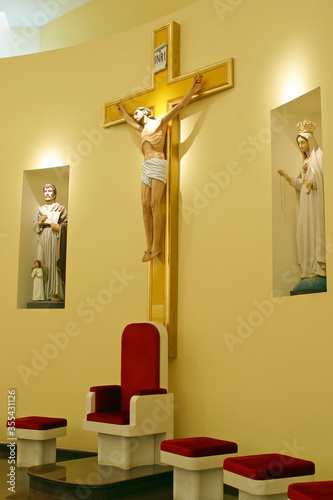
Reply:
x=166, y=90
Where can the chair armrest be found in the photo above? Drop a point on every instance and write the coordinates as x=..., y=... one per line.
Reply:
x=147, y=392
x=104, y=388
x=107, y=398
x=153, y=412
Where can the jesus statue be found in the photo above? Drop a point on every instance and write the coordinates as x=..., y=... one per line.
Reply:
x=154, y=166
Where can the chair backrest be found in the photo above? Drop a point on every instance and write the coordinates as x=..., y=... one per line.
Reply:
x=140, y=360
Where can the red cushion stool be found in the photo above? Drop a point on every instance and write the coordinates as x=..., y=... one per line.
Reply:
x=36, y=439
x=267, y=476
x=318, y=490
x=197, y=462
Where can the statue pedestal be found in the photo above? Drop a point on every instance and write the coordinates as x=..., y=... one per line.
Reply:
x=45, y=304
x=310, y=285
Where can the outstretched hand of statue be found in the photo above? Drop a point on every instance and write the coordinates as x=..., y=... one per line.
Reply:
x=284, y=175
x=197, y=81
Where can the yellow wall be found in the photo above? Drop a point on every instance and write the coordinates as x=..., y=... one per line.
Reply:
x=99, y=18
x=250, y=367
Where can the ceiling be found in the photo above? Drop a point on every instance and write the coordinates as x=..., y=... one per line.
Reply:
x=21, y=13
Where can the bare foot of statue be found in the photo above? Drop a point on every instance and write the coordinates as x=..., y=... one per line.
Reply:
x=56, y=298
x=145, y=256
x=152, y=254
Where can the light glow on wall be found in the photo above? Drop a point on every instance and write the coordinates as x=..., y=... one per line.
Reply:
x=293, y=86
x=51, y=160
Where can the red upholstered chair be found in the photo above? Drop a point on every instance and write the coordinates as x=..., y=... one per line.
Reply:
x=133, y=418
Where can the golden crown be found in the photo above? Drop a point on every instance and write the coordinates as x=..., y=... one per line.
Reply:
x=306, y=126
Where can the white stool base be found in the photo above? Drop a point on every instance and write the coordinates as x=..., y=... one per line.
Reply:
x=198, y=485
x=30, y=452
x=270, y=489
x=37, y=447
x=196, y=478
x=248, y=496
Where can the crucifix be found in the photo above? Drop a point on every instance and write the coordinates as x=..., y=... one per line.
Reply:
x=166, y=91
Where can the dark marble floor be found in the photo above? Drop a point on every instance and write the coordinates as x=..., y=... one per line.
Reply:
x=85, y=479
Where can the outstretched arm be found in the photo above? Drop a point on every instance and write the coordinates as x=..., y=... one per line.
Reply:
x=128, y=118
x=183, y=102
x=284, y=175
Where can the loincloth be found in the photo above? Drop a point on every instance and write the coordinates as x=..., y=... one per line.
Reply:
x=154, y=168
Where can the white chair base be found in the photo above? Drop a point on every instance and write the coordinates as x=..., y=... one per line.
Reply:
x=126, y=452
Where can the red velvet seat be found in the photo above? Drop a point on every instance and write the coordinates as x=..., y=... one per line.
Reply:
x=114, y=417
x=258, y=477
x=140, y=406
x=268, y=466
x=318, y=490
x=39, y=423
x=199, y=447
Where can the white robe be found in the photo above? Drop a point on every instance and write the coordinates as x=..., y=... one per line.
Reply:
x=38, y=284
x=47, y=246
x=310, y=233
